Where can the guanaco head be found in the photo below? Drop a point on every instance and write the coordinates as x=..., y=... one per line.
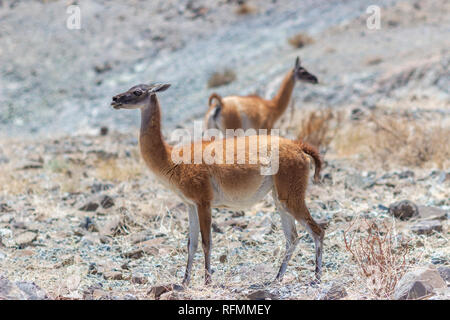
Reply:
x=137, y=97
x=302, y=74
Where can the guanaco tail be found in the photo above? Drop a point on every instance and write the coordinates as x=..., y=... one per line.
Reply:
x=206, y=185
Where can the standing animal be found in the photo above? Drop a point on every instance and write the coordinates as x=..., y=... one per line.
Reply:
x=245, y=112
x=206, y=185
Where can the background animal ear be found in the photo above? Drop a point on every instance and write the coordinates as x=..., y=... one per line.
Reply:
x=297, y=62
x=158, y=87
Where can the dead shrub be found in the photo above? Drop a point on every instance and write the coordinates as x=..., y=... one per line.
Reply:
x=245, y=9
x=300, y=40
x=318, y=127
x=380, y=259
x=398, y=139
x=224, y=77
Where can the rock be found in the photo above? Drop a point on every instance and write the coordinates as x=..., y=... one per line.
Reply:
x=4, y=207
x=418, y=283
x=426, y=227
x=138, y=279
x=25, y=239
x=112, y=275
x=353, y=181
x=89, y=225
x=404, y=210
x=89, y=207
x=104, y=131
x=157, y=291
x=107, y=202
x=262, y=295
x=334, y=292
x=66, y=260
x=31, y=291
x=223, y=258
x=27, y=164
x=426, y=212
x=444, y=271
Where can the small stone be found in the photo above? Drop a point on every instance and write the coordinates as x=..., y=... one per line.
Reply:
x=444, y=271
x=112, y=275
x=223, y=258
x=404, y=210
x=4, y=207
x=31, y=290
x=262, y=295
x=25, y=239
x=157, y=291
x=426, y=212
x=104, y=131
x=107, y=202
x=138, y=279
x=418, y=283
x=89, y=225
x=426, y=227
x=89, y=207
x=334, y=292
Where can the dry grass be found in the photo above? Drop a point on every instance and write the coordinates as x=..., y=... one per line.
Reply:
x=396, y=139
x=114, y=170
x=300, y=40
x=380, y=259
x=224, y=77
x=319, y=127
x=245, y=9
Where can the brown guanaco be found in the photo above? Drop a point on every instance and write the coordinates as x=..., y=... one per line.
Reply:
x=254, y=112
x=206, y=185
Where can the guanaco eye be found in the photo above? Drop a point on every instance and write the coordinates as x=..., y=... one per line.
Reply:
x=137, y=92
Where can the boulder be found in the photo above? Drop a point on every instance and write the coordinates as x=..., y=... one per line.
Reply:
x=426, y=227
x=419, y=283
x=404, y=210
x=444, y=271
x=262, y=295
x=426, y=212
x=334, y=292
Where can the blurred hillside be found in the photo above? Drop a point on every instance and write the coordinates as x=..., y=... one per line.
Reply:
x=54, y=80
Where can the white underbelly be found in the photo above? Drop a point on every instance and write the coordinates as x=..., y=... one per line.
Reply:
x=241, y=200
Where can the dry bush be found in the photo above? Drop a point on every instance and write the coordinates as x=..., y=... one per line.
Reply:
x=319, y=127
x=245, y=8
x=300, y=40
x=380, y=260
x=221, y=78
x=113, y=170
x=396, y=139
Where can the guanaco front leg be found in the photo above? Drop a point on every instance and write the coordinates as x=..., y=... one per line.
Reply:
x=204, y=215
x=194, y=229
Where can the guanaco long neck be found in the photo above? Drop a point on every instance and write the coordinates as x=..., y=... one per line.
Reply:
x=154, y=150
x=281, y=100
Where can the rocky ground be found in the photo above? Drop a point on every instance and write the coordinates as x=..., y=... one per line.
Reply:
x=82, y=218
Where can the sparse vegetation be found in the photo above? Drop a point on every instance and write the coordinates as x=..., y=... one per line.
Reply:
x=221, y=78
x=300, y=40
x=244, y=8
x=381, y=258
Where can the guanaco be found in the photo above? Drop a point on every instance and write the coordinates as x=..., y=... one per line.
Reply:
x=254, y=112
x=203, y=186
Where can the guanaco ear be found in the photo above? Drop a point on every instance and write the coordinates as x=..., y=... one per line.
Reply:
x=159, y=87
x=297, y=62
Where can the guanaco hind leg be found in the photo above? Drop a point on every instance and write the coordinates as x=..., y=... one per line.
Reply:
x=194, y=229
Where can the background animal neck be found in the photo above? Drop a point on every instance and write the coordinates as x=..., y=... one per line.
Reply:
x=281, y=100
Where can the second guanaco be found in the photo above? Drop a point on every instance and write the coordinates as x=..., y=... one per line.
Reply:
x=254, y=112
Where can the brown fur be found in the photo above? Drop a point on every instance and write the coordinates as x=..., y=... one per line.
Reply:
x=194, y=182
